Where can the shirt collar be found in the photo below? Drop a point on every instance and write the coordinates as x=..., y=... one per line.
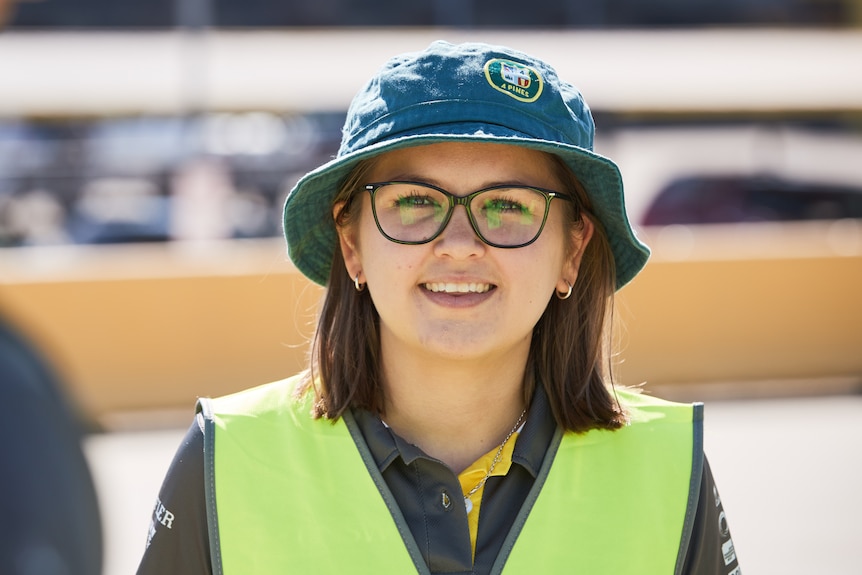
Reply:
x=529, y=451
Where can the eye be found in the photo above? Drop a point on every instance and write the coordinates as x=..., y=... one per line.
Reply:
x=500, y=205
x=412, y=204
x=506, y=207
x=415, y=199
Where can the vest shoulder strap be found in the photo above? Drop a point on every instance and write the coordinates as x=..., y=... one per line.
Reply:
x=620, y=501
x=282, y=488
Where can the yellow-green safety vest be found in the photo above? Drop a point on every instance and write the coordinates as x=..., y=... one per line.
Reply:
x=287, y=493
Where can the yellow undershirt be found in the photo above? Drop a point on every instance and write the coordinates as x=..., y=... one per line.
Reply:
x=471, y=476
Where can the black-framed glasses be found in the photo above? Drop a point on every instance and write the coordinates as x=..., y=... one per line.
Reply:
x=505, y=216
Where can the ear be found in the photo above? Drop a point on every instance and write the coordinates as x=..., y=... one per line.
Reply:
x=348, y=240
x=579, y=239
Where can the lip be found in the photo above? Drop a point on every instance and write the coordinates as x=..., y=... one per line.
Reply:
x=458, y=287
x=459, y=293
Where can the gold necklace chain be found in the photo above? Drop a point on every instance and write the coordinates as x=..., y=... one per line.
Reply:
x=495, y=461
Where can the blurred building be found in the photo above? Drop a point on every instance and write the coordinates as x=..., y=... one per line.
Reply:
x=468, y=13
x=65, y=178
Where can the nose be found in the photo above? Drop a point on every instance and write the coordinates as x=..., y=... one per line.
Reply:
x=459, y=240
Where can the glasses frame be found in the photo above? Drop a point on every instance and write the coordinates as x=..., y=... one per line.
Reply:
x=465, y=201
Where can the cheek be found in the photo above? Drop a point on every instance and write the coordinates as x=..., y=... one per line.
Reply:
x=538, y=271
x=366, y=234
x=384, y=263
x=554, y=245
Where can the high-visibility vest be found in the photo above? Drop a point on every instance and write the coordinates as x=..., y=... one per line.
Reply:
x=287, y=493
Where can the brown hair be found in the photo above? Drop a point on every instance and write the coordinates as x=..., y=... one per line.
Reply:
x=569, y=353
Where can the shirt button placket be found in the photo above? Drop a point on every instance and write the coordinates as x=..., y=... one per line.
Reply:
x=445, y=500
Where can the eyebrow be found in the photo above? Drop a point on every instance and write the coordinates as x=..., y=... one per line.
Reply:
x=410, y=177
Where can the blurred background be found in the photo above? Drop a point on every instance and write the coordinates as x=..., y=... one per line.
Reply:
x=146, y=150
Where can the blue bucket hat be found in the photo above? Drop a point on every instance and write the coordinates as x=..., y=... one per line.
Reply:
x=461, y=93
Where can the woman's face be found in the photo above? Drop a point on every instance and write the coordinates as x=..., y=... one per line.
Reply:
x=457, y=297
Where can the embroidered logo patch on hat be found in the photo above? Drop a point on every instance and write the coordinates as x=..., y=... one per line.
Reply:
x=516, y=80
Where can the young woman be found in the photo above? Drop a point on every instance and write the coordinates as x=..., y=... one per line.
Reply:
x=458, y=414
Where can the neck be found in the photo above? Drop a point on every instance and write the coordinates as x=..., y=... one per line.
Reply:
x=456, y=413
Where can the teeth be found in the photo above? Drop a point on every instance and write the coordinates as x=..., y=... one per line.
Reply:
x=458, y=288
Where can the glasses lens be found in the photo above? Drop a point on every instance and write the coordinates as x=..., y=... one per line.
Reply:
x=409, y=212
x=509, y=216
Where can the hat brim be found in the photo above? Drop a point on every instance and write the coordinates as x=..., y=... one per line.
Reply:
x=310, y=230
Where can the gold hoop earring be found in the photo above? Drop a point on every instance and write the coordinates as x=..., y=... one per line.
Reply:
x=361, y=286
x=566, y=295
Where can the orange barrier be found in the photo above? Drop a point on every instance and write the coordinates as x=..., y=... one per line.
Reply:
x=746, y=304
x=154, y=326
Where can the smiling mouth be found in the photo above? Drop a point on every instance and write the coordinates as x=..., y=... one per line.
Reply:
x=456, y=288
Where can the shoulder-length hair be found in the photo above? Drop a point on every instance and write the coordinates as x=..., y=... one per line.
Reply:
x=570, y=353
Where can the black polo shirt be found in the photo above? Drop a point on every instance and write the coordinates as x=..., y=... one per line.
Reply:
x=419, y=482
